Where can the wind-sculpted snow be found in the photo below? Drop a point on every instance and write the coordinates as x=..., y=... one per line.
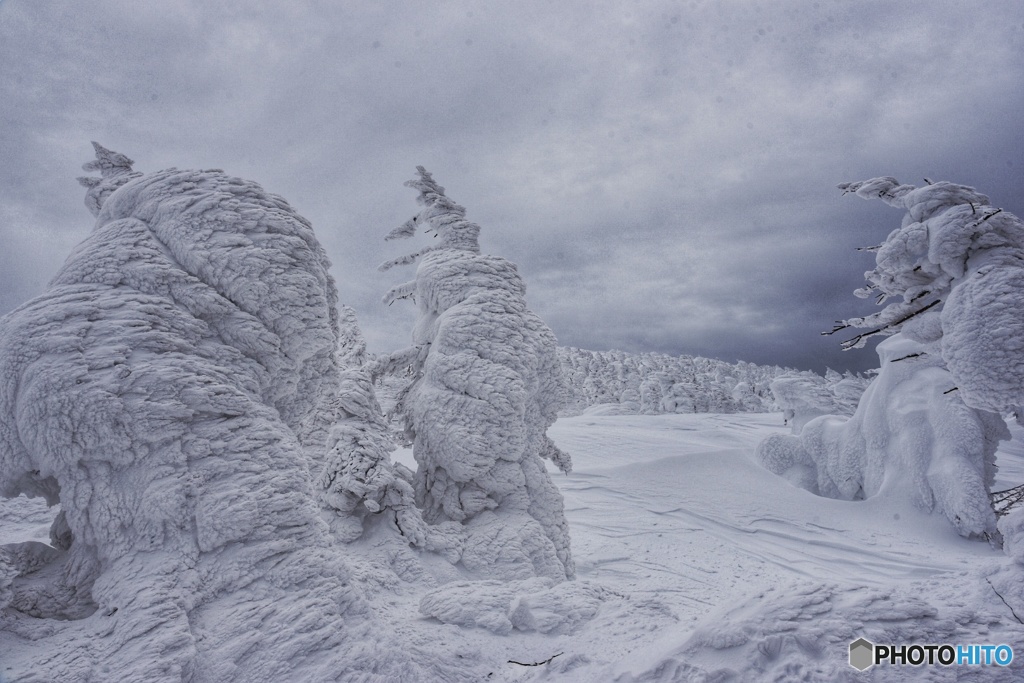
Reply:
x=486, y=386
x=167, y=390
x=803, y=396
x=911, y=437
x=537, y=604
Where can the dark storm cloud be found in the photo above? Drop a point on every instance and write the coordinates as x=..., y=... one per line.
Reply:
x=663, y=173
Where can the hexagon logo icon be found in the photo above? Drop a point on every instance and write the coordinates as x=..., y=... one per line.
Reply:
x=862, y=654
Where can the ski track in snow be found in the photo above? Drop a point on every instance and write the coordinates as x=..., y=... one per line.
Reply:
x=673, y=516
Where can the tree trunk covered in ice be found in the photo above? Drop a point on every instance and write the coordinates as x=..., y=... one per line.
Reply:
x=486, y=386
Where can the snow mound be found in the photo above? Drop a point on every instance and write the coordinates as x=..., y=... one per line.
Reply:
x=167, y=390
x=911, y=437
x=536, y=604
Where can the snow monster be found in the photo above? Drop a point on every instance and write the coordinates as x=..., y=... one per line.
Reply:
x=167, y=390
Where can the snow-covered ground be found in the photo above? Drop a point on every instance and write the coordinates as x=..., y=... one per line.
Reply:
x=708, y=548
x=706, y=567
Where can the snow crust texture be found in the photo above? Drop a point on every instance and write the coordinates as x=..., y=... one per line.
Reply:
x=911, y=437
x=167, y=391
x=486, y=386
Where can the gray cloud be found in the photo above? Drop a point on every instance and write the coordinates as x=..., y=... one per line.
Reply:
x=663, y=173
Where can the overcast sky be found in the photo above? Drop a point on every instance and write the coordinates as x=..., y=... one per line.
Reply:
x=662, y=172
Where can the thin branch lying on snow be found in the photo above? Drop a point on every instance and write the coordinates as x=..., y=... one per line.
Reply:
x=950, y=391
x=546, y=661
x=1004, y=600
x=909, y=355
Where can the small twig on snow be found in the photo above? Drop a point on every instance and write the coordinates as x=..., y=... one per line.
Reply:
x=546, y=661
x=1004, y=600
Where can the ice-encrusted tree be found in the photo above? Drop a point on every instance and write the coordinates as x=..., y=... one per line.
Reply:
x=927, y=427
x=485, y=386
x=168, y=390
x=955, y=268
x=357, y=476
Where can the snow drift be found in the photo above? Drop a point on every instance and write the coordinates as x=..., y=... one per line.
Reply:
x=166, y=391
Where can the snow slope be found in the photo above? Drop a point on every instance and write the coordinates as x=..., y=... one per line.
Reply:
x=710, y=568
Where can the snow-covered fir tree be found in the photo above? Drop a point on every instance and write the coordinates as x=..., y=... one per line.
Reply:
x=927, y=427
x=485, y=385
x=956, y=269
x=356, y=475
x=169, y=390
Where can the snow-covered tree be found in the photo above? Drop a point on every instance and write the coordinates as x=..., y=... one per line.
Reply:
x=357, y=475
x=654, y=383
x=956, y=268
x=910, y=438
x=165, y=390
x=927, y=427
x=486, y=385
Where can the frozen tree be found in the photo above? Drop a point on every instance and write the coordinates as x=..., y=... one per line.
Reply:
x=926, y=428
x=357, y=476
x=486, y=385
x=803, y=396
x=165, y=391
x=956, y=270
x=654, y=383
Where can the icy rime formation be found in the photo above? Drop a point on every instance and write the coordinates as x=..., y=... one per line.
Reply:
x=357, y=476
x=911, y=437
x=486, y=387
x=163, y=389
x=956, y=265
x=803, y=396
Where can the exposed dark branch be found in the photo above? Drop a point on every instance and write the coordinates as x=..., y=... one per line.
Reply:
x=950, y=391
x=546, y=661
x=909, y=355
x=838, y=327
x=997, y=211
x=851, y=343
x=1004, y=501
x=874, y=248
x=1004, y=600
